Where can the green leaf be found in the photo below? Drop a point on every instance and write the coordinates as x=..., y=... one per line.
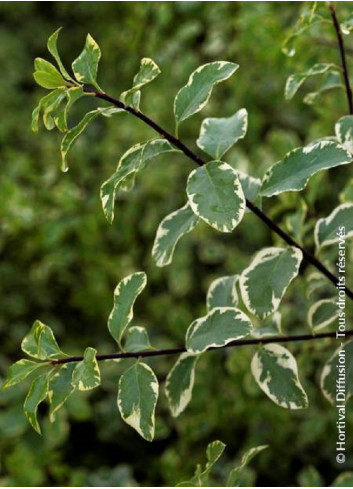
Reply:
x=137, y=398
x=332, y=379
x=46, y=103
x=40, y=343
x=85, y=67
x=234, y=478
x=216, y=196
x=322, y=313
x=347, y=193
x=86, y=375
x=295, y=221
x=173, y=227
x=60, y=117
x=310, y=477
x=60, y=388
x=275, y=371
x=220, y=326
x=218, y=135
x=344, y=132
x=19, y=371
x=251, y=186
x=336, y=227
x=36, y=394
x=195, y=94
x=307, y=19
x=329, y=81
x=294, y=171
x=53, y=50
x=125, y=295
x=180, y=382
x=271, y=326
x=345, y=479
x=47, y=76
x=148, y=71
x=222, y=293
x=137, y=339
x=264, y=282
x=295, y=81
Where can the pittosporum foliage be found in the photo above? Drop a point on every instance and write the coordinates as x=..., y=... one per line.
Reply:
x=239, y=309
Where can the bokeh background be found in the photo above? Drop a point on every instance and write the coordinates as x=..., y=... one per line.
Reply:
x=60, y=259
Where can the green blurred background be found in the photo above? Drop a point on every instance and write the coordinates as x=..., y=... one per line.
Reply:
x=60, y=259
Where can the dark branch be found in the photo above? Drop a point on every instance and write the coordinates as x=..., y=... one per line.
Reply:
x=194, y=157
x=177, y=351
x=345, y=74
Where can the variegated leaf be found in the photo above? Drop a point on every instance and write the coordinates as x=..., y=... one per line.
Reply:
x=296, y=80
x=275, y=371
x=60, y=117
x=53, y=50
x=60, y=388
x=137, y=399
x=148, y=71
x=44, y=104
x=344, y=132
x=270, y=326
x=234, y=478
x=173, y=227
x=86, y=374
x=137, y=339
x=322, y=313
x=125, y=295
x=180, y=382
x=85, y=67
x=222, y=292
x=218, y=135
x=195, y=94
x=337, y=375
x=216, y=196
x=294, y=171
x=266, y=280
x=40, y=343
x=19, y=371
x=251, y=186
x=36, y=394
x=336, y=227
x=219, y=327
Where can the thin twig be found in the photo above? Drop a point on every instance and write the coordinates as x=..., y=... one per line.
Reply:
x=194, y=157
x=345, y=73
x=233, y=344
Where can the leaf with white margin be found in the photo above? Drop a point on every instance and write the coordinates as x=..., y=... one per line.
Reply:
x=234, y=478
x=251, y=186
x=85, y=67
x=137, y=399
x=216, y=195
x=36, y=394
x=125, y=294
x=60, y=118
x=53, y=50
x=222, y=292
x=173, y=227
x=19, y=371
x=60, y=388
x=148, y=71
x=331, y=378
x=271, y=326
x=218, y=135
x=296, y=80
x=86, y=375
x=336, y=227
x=137, y=339
x=330, y=80
x=40, y=343
x=264, y=282
x=275, y=371
x=43, y=103
x=195, y=94
x=344, y=132
x=219, y=327
x=180, y=382
x=322, y=313
x=293, y=172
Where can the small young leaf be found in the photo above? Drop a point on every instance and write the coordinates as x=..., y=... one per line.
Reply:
x=53, y=50
x=335, y=387
x=265, y=281
x=336, y=227
x=345, y=479
x=180, y=382
x=170, y=230
x=148, y=71
x=275, y=370
x=40, y=343
x=218, y=328
x=60, y=388
x=36, y=394
x=294, y=171
x=85, y=67
x=295, y=81
x=251, y=186
x=44, y=103
x=235, y=475
x=60, y=118
x=195, y=94
x=137, y=339
x=344, y=132
x=47, y=76
x=86, y=374
x=125, y=295
x=322, y=313
x=310, y=477
x=19, y=371
x=222, y=293
x=137, y=398
x=218, y=135
x=271, y=326
x=216, y=196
